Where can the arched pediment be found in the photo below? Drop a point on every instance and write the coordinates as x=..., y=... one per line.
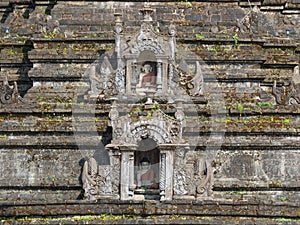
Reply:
x=131, y=129
x=145, y=131
x=146, y=39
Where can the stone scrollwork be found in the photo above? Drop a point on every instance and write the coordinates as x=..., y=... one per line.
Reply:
x=8, y=93
x=190, y=77
x=89, y=179
x=96, y=179
x=205, y=173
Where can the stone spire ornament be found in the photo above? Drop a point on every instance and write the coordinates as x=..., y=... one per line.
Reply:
x=147, y=12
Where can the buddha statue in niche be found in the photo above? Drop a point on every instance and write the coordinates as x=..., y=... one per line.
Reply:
x=147, y=77
x=145, y=177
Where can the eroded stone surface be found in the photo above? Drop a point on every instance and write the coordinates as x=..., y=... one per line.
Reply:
x=247, y=49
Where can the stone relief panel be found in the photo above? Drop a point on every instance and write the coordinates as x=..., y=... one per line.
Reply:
x=100, y=77
x=240, y=166
x=237, y=166
x=181, y=178
x=281, y=167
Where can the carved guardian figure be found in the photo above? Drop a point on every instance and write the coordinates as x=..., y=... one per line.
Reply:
x=89, y=179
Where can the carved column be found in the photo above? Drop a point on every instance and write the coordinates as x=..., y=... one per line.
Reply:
x=113, y=115
x=120, y=79
x=164, y=77
x=166, y=171
x=162, y=176
x=114, y=158
x=127, y=172
x=134, y=77
x=159, y=77
x=128, y=76
x=172, y=42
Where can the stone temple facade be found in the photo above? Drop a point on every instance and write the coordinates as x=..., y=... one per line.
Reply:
x=151, y=109
x=147, y=120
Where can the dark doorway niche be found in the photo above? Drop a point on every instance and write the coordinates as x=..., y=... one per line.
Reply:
x=146, y=169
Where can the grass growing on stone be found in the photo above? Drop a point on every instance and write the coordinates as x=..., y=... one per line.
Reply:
x=103, y=217
x=120, y=219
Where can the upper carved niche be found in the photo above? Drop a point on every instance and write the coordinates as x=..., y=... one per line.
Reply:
x=143, y=62
x=145, y=58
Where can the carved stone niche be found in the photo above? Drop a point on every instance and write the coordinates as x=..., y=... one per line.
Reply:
x=144, y=63
x=141, y=155
x=145, y=59
x=146, y=144
x=144, y=137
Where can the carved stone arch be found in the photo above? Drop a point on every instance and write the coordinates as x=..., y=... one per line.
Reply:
x=149, y=45
x=147, y=39
x=158, y=134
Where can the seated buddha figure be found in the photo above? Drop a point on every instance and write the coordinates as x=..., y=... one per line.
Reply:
x=147, y=77
x=145, y=175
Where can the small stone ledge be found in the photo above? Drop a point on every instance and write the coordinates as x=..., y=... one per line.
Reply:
x=67, y=107
x=148, y=208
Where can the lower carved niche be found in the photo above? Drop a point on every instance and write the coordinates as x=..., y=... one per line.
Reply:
x=148, y=159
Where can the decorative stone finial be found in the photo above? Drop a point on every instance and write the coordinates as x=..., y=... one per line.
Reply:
x=147, y=11
x=118, y=20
